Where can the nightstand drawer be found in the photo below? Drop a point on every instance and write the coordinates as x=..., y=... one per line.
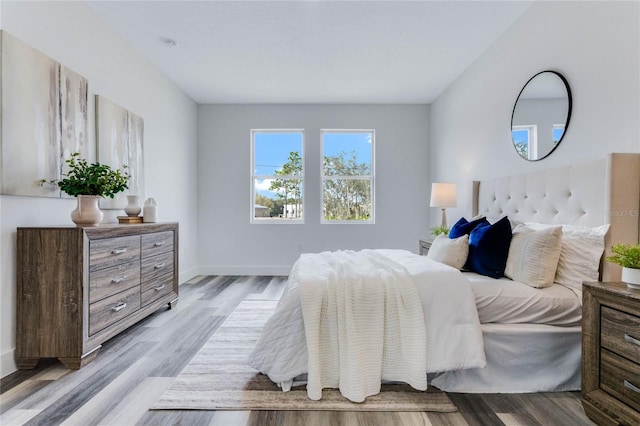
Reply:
x=620, y=378
x=620, y=333
x=424, y=247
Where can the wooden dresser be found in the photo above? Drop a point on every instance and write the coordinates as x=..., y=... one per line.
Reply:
x=79, y=286
x=611, y=353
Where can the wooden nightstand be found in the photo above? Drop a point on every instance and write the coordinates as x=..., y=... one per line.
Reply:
x=425, y=245
x=611, y=353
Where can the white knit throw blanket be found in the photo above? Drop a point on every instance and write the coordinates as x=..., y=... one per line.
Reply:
x=363, y=321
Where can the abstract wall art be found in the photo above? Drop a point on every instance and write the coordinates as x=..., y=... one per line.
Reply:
x=44, y=118
x=120, y=136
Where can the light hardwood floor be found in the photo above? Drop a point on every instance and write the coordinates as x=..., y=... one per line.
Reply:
x=134, y=368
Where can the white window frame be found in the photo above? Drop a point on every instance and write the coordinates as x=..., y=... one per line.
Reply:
x=532, y=131
x=254, y=176
x=371, y=177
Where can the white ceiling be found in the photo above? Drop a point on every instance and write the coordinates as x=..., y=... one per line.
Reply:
x=311, y=51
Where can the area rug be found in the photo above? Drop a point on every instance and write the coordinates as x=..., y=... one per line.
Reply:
x=218, y=378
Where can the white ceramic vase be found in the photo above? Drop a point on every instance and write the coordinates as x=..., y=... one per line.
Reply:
x=87, y=213
x=631, y=277
x=133, y=207
x=150, y=211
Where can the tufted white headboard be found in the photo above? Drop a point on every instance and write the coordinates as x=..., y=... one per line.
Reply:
x=605, y=191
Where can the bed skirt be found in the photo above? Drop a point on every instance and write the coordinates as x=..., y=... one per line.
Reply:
x=521, y=358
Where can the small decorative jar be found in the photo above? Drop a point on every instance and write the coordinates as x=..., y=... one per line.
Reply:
x=133, y=207
x=150, y=211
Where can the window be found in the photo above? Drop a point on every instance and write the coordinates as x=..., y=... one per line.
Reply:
x=525, y=139
x=348, y=176
x=558, y=131
x=277, y=176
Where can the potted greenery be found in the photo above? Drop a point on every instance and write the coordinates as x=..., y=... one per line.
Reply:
x=627, y=256
x=440, y=230
x=88, y=182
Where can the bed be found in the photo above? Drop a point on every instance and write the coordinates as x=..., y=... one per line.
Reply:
x=534, y=357
x=525, y=340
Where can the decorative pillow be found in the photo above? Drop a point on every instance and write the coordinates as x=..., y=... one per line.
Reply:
x=464, y=227
x=489, y=248
x=452, y=252
x=533, y=256
x=582, y=248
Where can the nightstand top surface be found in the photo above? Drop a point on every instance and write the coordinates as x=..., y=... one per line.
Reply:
x=616, y=288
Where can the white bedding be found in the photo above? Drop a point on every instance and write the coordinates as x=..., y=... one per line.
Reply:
x=454, y=338
x=363, y=323
x=504, y=301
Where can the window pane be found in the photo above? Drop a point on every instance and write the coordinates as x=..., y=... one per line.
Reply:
x=277, y=175
x=347, y=153
x=278, y=199
x=347, y=199
x=277, y=153
x=557, y=133
x=521, y=141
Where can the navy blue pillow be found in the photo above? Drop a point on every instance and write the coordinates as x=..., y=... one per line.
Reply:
x=489, y=248
x=464, y=227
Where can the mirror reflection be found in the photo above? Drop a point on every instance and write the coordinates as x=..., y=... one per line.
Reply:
x=541, y=115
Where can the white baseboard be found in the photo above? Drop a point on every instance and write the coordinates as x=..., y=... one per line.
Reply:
x=188, y=274
x=244, y=270
x=7, y=363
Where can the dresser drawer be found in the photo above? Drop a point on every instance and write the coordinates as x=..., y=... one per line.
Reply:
x=112, y=309
x=108, y=281
x=620, y=333
x=156, y=266
x=156, y=243
x=156, y=288
x=620, y=378
x=113, y=251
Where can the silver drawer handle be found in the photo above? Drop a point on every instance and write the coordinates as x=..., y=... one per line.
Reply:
x=160, y=287
x=119, y=307
x=119, y=279
x=119, y=251
x=159, y=265
x=631, y=386
x=158, y=244
x=630, y=339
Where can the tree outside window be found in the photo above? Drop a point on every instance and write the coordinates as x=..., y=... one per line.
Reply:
x=278, y=176
x=347, y=176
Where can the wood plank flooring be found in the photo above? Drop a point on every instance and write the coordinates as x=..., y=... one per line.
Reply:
x=134, y=368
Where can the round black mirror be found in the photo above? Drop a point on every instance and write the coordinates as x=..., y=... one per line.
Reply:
x=541, y=115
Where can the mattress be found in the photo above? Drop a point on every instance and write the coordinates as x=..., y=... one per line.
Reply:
x=503, y=301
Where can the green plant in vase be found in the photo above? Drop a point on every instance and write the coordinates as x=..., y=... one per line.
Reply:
x=440, y=230
x=627, y=256
x=88, y=182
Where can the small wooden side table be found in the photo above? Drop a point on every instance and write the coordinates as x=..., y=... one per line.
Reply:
x=425, y=245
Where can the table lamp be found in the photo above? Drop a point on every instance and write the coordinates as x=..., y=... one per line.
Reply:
x=443, y=195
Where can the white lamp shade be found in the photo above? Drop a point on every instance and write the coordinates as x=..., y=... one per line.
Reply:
x=443, y=195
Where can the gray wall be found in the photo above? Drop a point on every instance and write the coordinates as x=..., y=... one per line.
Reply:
x=230, y=244
x=595, y=45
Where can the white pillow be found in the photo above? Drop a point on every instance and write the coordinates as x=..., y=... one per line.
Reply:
x=533, y=256
x=452, y=252
x=582, y=248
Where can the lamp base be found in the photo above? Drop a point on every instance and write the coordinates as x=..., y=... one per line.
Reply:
x=444, y=218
